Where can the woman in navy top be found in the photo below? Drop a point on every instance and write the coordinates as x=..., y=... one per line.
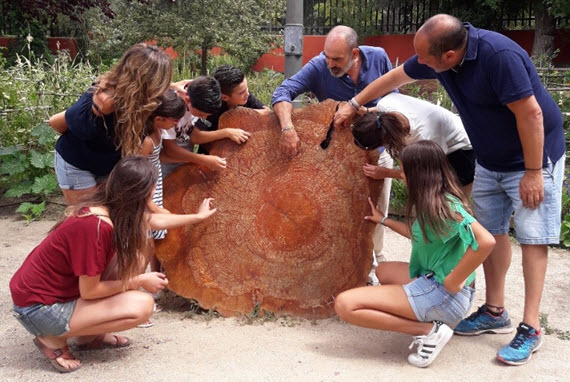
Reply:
x=108, y=120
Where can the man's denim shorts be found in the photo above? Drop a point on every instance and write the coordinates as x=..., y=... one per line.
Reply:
x=70, y=177
x=46, y=320
x=496, y=196
x=430, y=301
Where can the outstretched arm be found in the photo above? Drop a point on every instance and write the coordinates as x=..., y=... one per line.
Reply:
x=238, y=136
x=379, y=87
x=172, y=153
x=289, y=141
x=396, y=226
x=379, y=172
x=167, y=221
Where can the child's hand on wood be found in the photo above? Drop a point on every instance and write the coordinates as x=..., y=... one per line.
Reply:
x=205, y=210
x=377, y=216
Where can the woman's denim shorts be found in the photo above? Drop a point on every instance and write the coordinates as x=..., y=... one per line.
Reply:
x=430, y=301
x=46, y=320
x=70, y=177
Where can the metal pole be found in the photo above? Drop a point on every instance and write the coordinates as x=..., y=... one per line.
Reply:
x=294, y=39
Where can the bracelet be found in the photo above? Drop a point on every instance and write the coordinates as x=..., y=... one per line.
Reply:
x=383, y=221
x=533, y=169
x=352, y=102
x=288, y=127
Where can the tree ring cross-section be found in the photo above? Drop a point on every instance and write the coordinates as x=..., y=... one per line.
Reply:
x=289, y=233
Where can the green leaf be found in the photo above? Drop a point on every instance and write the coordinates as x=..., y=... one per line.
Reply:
x=45, y=184
x=38, y=208
x=24, y=207
x=44, y=133
x=41, y=160
x=5, y=151
x=18, y=190
x=16, y=164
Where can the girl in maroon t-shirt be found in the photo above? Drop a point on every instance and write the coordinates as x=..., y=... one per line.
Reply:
x=82, y=280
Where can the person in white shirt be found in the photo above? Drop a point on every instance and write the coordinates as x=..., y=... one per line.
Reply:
x=399, y=120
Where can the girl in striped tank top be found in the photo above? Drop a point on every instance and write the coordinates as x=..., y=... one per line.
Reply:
x=171, y=108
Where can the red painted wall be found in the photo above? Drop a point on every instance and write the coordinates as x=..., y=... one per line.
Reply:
x=63, y=43
x=400, y=48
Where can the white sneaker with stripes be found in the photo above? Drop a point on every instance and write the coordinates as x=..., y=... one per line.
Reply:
x=430, y=345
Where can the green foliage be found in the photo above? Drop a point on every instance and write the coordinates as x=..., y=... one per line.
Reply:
x=31, y=91
x=565, y=230
x=549, y=330
x=31, y=211
x=263, y=84
x=189, y=26
x=398, y=197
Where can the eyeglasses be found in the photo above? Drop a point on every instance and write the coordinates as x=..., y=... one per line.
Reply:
x=327, y=141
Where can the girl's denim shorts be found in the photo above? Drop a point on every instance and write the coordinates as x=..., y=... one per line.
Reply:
x=430, y=301
x=70, y=177
x=46, y=320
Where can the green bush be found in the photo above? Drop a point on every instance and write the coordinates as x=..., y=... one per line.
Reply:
x=30, y=92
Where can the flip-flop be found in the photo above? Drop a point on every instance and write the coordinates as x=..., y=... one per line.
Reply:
x=53, y=354
x=99, y=343
x=146, y=324
x=157, y=308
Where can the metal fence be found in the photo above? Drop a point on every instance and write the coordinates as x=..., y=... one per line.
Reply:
x=376, y=17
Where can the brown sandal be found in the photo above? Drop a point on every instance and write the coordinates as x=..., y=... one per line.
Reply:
x=53, y=354
x=98, y=343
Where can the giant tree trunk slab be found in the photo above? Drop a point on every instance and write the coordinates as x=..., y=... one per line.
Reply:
x=289, y=234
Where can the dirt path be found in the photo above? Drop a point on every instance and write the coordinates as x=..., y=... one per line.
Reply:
x=185, y=347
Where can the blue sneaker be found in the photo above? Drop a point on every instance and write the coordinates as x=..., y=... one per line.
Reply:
x=518, y=352
x=482, y=321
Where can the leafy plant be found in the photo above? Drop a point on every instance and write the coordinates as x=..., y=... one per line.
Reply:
x=398, y=197
x=30, y=92
x=548, y=330
x=31, y=211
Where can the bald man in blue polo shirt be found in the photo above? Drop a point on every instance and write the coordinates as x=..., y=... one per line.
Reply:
x=515, y=128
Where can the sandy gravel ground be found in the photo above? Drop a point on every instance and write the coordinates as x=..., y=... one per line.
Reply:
x=183, y=346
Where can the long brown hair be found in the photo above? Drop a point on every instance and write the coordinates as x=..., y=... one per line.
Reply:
x=380, y=129
x=139, y=78
x=430, y=182
x=125, y=195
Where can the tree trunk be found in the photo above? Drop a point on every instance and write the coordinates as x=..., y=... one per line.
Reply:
x=544, y=29
x=204, y=70
x=288, y=234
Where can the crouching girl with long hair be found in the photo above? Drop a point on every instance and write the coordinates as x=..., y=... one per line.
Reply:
x=431, y=294
x=82, y=280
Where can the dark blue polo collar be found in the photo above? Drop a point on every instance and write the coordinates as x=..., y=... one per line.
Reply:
x=472, y=42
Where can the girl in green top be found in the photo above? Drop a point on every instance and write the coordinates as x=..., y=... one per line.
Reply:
x=432, y=293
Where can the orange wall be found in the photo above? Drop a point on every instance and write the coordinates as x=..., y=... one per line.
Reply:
x=65, y=43
x=400, y=48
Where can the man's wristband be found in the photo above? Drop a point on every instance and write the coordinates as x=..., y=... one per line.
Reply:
x=288, y=127
x=352, y=102
x=533, y=169
x=383, y=221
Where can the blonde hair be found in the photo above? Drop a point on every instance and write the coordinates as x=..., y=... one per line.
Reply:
x=140, y=77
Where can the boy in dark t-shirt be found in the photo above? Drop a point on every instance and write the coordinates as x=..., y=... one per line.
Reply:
x=234, y=93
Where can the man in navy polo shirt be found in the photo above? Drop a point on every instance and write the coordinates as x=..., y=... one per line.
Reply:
x=341, y=71
x=515, y=128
